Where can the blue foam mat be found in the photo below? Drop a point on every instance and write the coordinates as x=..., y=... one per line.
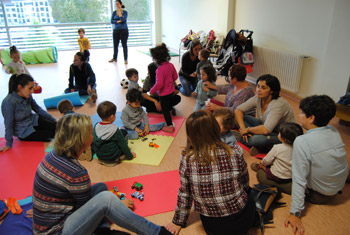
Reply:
x=51, y=103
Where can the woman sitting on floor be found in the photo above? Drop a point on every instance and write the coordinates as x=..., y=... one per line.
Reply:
x=237, y=92
x=260, y=133
x=64, y=202
x=19, y=119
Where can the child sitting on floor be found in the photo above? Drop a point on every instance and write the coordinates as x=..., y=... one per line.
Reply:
x=226, y=120
x=133, y=114
x=65, y=107
x=16, y=66
x=133, y=76
x=109, y=143
x=206, y=87
x=276, y=167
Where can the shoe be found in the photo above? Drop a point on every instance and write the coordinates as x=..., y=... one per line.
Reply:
x=125, y=62
x=86, y=156
x=254, y=151
x=112, y=60
x=109, y=163
x=93, y=95
x=254, y=167
x=169, y=129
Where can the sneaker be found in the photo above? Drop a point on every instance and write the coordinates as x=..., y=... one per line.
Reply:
x=125, y=62
x=254, y=151
x=169, y=129
x=93, y=95
x=254, y=167
x=112, y=60
x=86, y=156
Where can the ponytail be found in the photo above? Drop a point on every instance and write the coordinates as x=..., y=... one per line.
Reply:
x=13, y=50
x=84, y=56
x=15, y=80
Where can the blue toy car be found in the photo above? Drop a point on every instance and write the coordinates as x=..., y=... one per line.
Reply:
x=138, y=195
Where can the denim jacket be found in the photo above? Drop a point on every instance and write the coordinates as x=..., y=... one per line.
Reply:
x=18, y=116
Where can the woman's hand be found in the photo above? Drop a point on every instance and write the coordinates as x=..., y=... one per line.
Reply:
x=158, y=106
x=89, y=89
x=128, y=203
x=72, y=90
x=244, y=133
x=295, y=223
x=4, y=149
x=205, y=88
x=212, y=107
x=173, y=228
x=209, y=85
x=133, y=155
x=194, y=74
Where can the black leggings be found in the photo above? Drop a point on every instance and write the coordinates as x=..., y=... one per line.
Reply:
x=120, y=35
x=44, y=131
x=167, y=102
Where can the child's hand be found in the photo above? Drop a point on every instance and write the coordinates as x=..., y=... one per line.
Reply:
x=128, y=203
x=146, y=129
x=138, y=130
x=194, y=94
x=133, y=155
x=176, y=92
x=158, y=106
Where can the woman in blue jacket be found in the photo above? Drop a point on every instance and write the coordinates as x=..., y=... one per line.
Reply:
x=120, y=31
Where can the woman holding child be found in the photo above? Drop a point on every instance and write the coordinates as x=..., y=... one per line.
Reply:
x=260, y=133
x=62, y=182
x=187, y=73
x=17, y=109
x=237, y=91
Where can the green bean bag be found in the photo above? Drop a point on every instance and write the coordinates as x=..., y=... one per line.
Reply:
x=48, y=55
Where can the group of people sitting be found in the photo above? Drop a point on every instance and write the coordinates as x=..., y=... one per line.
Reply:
x=213, y=172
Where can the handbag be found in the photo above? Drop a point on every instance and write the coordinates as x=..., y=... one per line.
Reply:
x=265, y=198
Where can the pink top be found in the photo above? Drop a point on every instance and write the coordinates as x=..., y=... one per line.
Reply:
x=166, y=75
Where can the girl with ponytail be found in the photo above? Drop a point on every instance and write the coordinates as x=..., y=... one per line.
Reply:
x=19, y=118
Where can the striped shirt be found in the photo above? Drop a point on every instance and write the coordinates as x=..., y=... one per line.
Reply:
x=61, y=186
x=218, y=189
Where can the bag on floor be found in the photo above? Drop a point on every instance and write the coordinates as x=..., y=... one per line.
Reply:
x=266, y=199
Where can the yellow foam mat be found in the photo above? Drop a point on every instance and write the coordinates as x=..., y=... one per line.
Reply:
x=149, y=155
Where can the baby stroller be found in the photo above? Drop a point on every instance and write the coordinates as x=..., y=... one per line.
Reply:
x=234, y=45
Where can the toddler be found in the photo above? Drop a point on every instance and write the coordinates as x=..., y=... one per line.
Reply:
x=276, y=168
x=226, y=120
x=203, y=58
x=165, y=77
x=109, y=142
x=206, y=87
x=133, y=114
x=16, y=66
x=84, y=43
x=133, y=76
x=65, y=107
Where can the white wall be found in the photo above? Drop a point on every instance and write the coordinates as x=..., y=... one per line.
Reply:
x=178, y=17
x=317, y=28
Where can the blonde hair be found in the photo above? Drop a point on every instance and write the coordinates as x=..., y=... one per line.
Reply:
x=72, y=133
x=199, y=124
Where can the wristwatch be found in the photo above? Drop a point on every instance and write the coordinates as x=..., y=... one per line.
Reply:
x=297, y=214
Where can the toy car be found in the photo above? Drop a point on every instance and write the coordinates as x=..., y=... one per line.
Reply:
x=137, y=186
x=138, y=195
x=142, y=134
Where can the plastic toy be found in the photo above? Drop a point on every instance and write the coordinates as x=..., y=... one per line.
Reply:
x=120, y=195
x=142, y=134
x=37, y=88
x=124, y=83
x=137, y=186
x=153, y=145
x=138, y=195
x=144, y=139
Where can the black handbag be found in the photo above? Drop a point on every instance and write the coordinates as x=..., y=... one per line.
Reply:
x=265, y=198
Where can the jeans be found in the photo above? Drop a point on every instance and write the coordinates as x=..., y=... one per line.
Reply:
x=134, y=135
x=120, y=35
x=103, y=205
x=262, y=142
x=81, y=90
x=188, y=85
x=198, y=107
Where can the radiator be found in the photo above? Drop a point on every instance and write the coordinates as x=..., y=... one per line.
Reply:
x=286, y=66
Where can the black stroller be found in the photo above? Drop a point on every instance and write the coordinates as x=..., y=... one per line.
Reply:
x=234, y=45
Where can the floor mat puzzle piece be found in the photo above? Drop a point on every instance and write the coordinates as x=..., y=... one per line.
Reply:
x=160, y=191
x=246, y=148
x=19, y=165
x=145, y=154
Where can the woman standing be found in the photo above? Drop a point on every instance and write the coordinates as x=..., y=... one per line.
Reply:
x=187, y=73
x=81, y=76
x=19, y=119
x=120, y=30
x=260, y=133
